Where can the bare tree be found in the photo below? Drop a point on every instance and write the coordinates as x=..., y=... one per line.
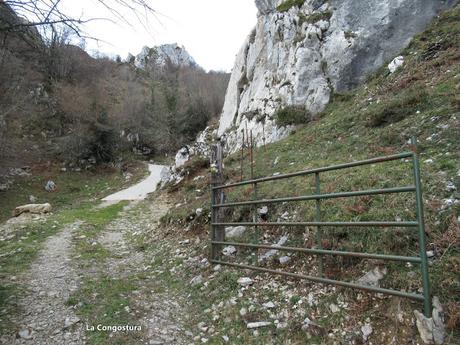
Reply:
x=41, y=14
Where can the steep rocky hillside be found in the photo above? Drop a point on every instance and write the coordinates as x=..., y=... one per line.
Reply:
x=302, y=51
x=420, y=98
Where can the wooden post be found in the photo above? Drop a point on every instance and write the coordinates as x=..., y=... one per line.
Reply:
x=217, y=233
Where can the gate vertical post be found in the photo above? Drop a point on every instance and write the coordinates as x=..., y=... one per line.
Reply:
x=421, y=230
x=217, y=233
x=319, y=235
x=213, y=218
x=256, y=239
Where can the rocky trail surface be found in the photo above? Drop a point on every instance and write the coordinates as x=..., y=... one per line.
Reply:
x=46, y=319
x=158, y=312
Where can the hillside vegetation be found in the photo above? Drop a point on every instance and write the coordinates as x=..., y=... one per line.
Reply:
x=59, y=103
x=420, y=99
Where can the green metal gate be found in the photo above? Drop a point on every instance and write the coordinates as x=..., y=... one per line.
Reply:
x=218, y=233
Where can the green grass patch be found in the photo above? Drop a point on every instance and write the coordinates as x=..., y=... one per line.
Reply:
x=72, y=188
x=398, y=107
x=105, y=301
x=95, y=220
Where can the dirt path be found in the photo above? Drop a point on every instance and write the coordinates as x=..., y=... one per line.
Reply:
x=59, y=272
x=162, y=314
x=140, y=190
x=48, y=284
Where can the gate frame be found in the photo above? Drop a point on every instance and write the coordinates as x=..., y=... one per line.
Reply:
x=217, y=231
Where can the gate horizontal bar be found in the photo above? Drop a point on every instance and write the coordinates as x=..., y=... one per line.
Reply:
x=318, y=170
x=351, y=224
x=413, y=259
x=413, y=296
x=320, y=196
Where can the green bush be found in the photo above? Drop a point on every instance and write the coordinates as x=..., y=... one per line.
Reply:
x=292, y=115
x=195, y=164
x=286, y=5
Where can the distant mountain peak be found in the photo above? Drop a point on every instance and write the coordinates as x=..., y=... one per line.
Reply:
x=164, y=54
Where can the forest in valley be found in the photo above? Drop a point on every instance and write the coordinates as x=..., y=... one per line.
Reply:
x=60, y=103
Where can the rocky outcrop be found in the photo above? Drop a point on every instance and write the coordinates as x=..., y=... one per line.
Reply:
x=301, y=55
x=163, y=55
x=201, y=147
x=32, y=208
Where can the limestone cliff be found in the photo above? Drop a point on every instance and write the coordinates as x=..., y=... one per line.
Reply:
x=300, y=52
x=163, y=55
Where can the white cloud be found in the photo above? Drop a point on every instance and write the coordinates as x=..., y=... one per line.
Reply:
x=212, y=31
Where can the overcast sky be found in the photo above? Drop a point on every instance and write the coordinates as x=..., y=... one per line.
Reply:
x=212, y=31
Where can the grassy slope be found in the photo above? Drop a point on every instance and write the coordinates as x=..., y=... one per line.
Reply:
x=72, y=187
x=421, y=99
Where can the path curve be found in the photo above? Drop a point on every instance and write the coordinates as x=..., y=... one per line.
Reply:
x=140, y=190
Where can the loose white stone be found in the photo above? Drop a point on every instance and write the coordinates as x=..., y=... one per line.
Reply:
x=196, y=280
x=396, y=63
x=229, y=250
x=334, y=308
x=245, y=281
x=234, y=231
x=373, y=277
x=269, y=305
x=263, y=210
x=25, y=334
x=284, y=259
x=258, y=324
x=366, y=330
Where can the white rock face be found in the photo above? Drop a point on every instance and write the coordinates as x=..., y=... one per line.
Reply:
x=164, y=54
x=301, y=56
x=182, y=156
x=201, y=147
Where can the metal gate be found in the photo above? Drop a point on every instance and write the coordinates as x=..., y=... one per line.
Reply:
x=217, y=232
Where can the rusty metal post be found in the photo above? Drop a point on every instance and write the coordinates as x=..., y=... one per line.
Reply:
x=242, y=157
x=251, y=154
